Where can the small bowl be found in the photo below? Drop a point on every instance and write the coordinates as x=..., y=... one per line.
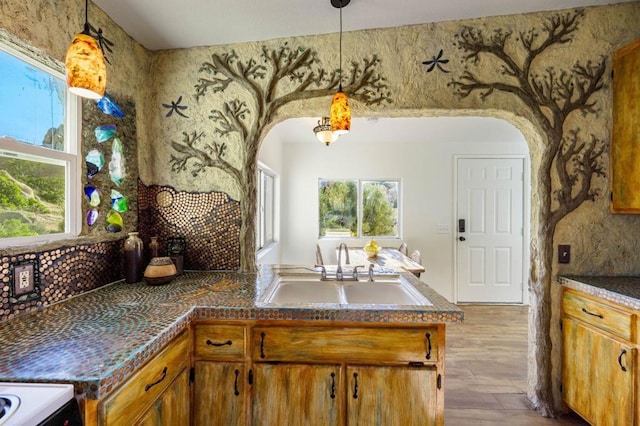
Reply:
x=371, y=251
x=160, y=270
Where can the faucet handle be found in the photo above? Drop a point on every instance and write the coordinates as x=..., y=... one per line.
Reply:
x=371, y=266
x=323, y=272
x=355, y=271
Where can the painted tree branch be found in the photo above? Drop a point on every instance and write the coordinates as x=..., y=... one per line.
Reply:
x=552, y=96
x=281, y=76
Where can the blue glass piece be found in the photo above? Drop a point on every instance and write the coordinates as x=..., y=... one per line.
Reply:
x=92, y=194
x=107, y=106
x=92, y=216
x=92, y=169
x=105, y=132
x=118, y=201
x=95, y=162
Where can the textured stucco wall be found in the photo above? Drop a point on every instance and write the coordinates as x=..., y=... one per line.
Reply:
x=601, y=243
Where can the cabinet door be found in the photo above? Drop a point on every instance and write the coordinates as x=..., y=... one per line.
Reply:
x=219, y=394
x=297, y=394
x=597, y=375
x=400, y=396
x=172, y=406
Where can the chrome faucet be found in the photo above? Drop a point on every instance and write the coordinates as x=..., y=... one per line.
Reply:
x=339, y=268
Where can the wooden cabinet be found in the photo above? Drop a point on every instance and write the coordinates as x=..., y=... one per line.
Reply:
x=220, y=378
x=599, y=360
x=392, y=395
x=625, y=157
x=297, y=394
x=156, y=394
x=347, y=375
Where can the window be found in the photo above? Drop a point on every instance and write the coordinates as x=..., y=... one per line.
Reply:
x=39, y=165
x=359, y=208
x=266, y=207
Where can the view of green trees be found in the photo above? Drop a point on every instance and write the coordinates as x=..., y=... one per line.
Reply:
x=339, y=202
x=31, y=198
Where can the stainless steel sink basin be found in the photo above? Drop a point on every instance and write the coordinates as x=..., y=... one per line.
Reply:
x=308, y=290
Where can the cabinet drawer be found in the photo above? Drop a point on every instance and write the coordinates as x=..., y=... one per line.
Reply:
x=219, y=342
x=353, y=344
x=599, y=314
x=136, y=395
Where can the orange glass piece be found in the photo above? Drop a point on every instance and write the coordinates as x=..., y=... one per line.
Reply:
x=340, y=114
x=86, y=68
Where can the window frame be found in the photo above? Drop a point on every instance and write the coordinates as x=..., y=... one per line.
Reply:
x=359, y=208
x=261, y=214
x=70, y=156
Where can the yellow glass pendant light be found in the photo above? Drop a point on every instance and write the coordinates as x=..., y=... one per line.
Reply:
x=340, y=112
x=85, y=65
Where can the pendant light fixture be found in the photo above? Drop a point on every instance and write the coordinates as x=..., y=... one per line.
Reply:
x=324, y=133
x=340, y=112
x=85, y=65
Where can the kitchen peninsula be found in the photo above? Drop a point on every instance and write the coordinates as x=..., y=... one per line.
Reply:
x=145, y=353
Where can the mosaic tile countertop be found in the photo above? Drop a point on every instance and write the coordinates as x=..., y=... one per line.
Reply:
x=96, y=340
x=624, y=290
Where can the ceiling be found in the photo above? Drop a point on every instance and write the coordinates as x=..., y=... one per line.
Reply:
x=171, y=24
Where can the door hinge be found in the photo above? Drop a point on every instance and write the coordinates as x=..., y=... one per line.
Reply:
x=439, y=381
x=560, y=387
x=560, y=325
x=192, y=375
x=250, y=377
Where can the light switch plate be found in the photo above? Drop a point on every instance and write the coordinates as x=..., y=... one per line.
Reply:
x=564, y=253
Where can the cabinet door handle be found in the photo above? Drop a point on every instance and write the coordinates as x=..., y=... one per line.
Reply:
x=428, y=336
x=236, y=392
x=333, y=385
x=622, y=352
x=210, y=343
x=262, y=336
x=592, y=314
x=164, y=374
x=355, y=386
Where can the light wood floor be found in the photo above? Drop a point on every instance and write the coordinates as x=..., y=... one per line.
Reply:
x=486, y=370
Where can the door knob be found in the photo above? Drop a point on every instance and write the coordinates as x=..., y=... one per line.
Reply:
x=462, y=239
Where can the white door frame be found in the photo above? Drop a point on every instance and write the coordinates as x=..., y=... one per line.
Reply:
x=526, y=218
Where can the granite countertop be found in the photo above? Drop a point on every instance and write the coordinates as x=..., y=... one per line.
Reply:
x=624, y=290
x=96, y=340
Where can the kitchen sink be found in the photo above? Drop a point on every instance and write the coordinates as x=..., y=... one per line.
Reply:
x=304, y=290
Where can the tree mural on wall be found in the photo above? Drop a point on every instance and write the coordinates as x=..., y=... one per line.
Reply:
x=570, y=161
x=281, y=76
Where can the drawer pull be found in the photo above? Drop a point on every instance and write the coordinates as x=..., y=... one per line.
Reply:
x=236, y=392
x=333, y=385
x=262, y=336
x=592, y=314
x=622, y=352
x=428, y=336
x=210, y=343
x=355, y=386
x=164, y=374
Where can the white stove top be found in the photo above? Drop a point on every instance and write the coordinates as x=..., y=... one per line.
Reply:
x=36, y=401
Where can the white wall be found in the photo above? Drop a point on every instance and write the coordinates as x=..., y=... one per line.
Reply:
x=419, y=151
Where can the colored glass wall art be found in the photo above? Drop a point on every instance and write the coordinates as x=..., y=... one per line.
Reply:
x=114, y=222
x=93, y=195
x=92, y=217
x=118, y=201
x=116, y=165
x=105, y=132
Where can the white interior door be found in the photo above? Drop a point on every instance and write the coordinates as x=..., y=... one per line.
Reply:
x=490, y=247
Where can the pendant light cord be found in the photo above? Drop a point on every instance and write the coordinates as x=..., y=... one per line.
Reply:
x=86, y=18
x=340, y=87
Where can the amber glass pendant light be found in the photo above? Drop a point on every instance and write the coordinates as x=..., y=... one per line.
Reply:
x=85, y=65
x=340, y=113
